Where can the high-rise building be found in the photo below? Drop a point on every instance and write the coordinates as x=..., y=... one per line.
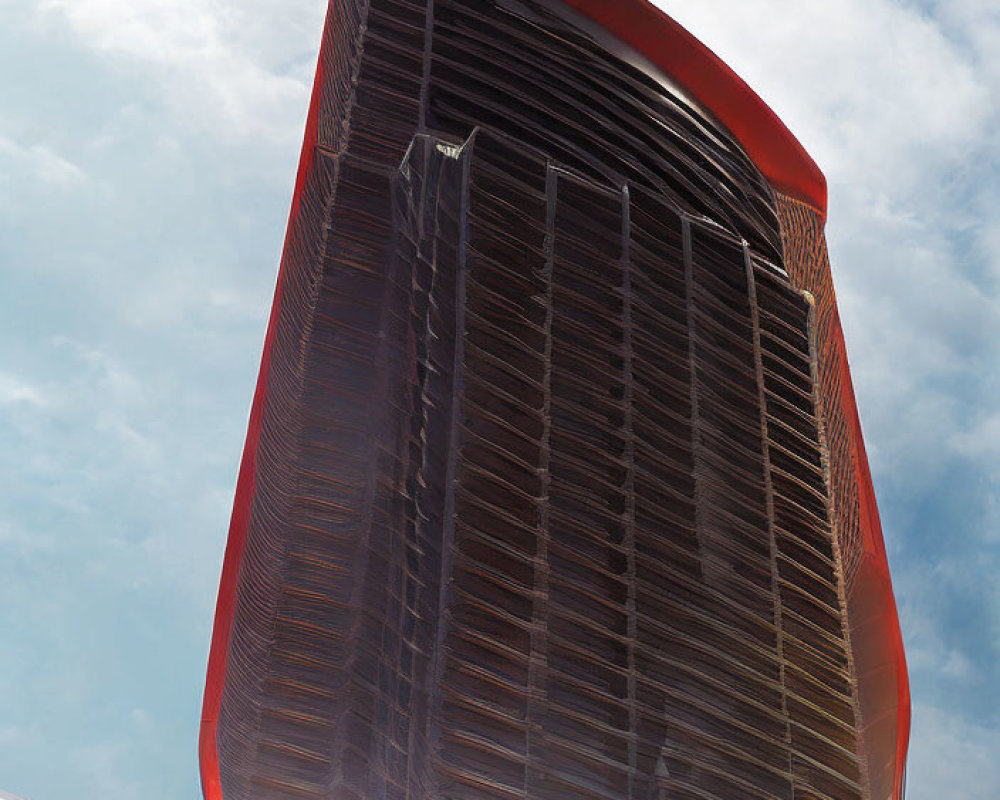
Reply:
x=554, y=486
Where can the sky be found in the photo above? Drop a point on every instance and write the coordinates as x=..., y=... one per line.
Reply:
x=147, y=156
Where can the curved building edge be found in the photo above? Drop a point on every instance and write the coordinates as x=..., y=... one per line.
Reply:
x=226, y=602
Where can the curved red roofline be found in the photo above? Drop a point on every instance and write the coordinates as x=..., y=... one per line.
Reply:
x=776, y=152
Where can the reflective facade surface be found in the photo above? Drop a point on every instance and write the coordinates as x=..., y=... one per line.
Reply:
x=554, y=486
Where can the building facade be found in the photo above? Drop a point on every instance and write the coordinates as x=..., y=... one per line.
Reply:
x=554, y=486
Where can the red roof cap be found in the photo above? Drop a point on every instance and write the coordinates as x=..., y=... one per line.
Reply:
x=776, y=152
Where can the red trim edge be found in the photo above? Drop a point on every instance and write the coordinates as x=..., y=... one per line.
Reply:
x=773, y=148
x=875, y=568
x=208, y=755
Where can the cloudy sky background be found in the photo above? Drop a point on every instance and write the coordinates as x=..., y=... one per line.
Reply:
x=147, y=156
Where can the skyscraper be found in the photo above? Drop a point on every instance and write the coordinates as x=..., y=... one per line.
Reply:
x=554, y=486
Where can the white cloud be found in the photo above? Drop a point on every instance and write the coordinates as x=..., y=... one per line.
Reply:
x=43, y=162
x=951, y=756
x=14, y=391
x=864, y=83
x=958, y=666
x=53, y=168
x=216, y=68
x=103, y=767
x=16, y=542
x=983, y=439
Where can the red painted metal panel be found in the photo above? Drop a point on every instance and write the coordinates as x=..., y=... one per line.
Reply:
x=876, y=635
x=777, y=153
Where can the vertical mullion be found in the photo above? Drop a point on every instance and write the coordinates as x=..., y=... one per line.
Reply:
x=731, y=519
x=429, y=284
x=693, y=366
x=769, y=507
x=448, y=532
x=538, y=659
x=626, y=261
x=419, y=294
x=425, y=83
